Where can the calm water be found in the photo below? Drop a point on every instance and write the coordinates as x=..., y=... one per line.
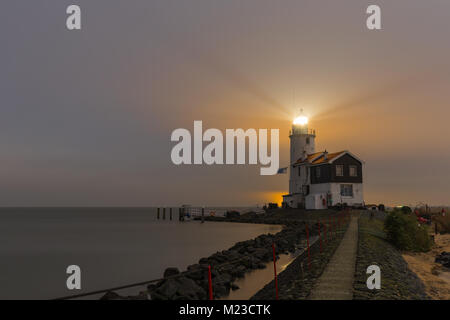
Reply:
x=112, y=246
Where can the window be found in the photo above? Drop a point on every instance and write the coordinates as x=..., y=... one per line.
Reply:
x=307, y=140
x=339, y=170
x=353, y=171
x=347, y=190
x=299, y=172
x=317, y=172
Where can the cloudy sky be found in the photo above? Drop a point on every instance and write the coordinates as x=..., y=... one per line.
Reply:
x=86, y=116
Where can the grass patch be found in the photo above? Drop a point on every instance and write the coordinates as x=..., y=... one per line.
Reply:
x=397, y=281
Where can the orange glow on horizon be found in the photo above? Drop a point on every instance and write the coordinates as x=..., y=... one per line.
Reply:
x=272, y=196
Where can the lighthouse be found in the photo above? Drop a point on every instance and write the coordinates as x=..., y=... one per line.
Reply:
x=318, y=180
x=302, y=143
x=302, y=139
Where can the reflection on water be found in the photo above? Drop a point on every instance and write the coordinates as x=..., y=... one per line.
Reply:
x=257, y=279
x=113, y=247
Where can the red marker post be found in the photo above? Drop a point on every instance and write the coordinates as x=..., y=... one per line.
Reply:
x=275, y=271
x=320, y=238
x=210, y=284
x=335, y=225
x=331, y=228
x=325, y=233
x=307, y=242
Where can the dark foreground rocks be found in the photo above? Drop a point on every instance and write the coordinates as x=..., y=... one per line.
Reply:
x=444, y=259
x=111, y=295
x=227, y=266
x=398, y=282
x=178, y=288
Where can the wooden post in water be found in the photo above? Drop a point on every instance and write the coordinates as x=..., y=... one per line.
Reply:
x=179, y=214
x=164, y=213
x=158, y=214
x=170, y=215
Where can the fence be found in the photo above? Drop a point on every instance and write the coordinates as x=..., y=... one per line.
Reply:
x=188, y=212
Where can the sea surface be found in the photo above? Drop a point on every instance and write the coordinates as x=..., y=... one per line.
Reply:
x=112, y=246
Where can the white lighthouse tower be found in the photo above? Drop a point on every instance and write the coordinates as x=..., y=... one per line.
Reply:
x=302, y=145
x=302, y=139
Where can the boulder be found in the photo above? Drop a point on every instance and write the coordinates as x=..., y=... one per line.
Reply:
x=111, y=295
x=143, y=295
x=179, y=288
x=167, y=289
x=234, y=287
x=196, y=272
x=189, y=290
x=223, y=279
x=262, y=254
x=171, y=271
x=239, y=271
x=444, y=259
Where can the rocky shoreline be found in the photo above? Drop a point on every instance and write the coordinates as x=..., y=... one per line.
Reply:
x=297, y=280
x=227, y=265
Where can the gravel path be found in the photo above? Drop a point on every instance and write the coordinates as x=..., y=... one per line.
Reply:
x=336, y=282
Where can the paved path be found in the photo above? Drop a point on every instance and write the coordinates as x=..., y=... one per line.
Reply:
x=336, y=282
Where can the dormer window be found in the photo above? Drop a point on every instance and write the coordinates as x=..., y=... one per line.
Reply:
x=339, y=170
x=353, y=171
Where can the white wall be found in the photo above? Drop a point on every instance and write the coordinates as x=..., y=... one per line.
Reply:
x=335, y=190
x=316, y=201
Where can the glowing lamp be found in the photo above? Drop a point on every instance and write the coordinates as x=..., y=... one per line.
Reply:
x=302, y=120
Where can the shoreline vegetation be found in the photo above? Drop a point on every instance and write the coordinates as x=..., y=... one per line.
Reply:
x=398, y=282
x=296, y=281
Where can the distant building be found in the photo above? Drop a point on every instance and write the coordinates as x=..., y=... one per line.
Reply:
x=319, y=180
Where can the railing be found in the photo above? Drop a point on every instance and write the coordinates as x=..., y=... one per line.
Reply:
x=331, y=227
x=301, y=130
x=180, y=213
